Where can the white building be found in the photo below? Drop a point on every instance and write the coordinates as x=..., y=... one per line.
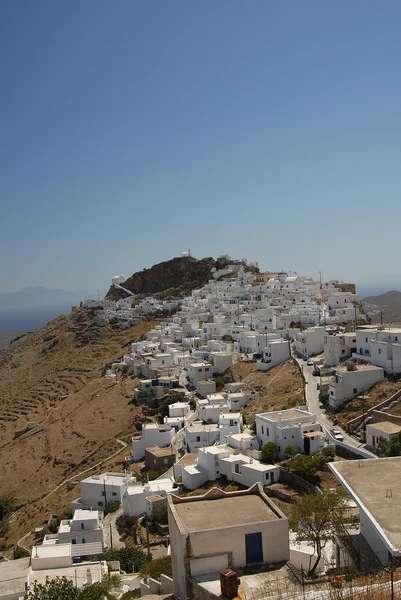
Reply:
x=347, y=384
x=275, y=353
x=380, y=347
x=85, y=528
x=136, y=498
x=200, y=371
x=53, y=561
x=382, y=430
x=152, y=435
x=210, y=533
x=197, y=436
x=310, y=341
x=293, y=427
x=375, y=486
x=225, y=462
x=97, y=490
x=338, y=347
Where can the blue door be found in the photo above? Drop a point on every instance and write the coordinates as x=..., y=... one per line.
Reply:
x=253, y=547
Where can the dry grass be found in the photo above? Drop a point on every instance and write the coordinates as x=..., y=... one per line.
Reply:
x=280, y=388
x=79, y=414
x=379, y=392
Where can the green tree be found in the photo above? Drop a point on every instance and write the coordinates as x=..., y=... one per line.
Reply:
x=290, y=451
x=317, y=519
x=391, y=447
x=160, y=513
x=131, y=559
x=60, y=588
x=269, y=453
x=112, y=506
x=157, y=567
x=304, y=465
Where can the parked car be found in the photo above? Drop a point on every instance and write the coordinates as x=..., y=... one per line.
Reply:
x=309, y=362
x=336, y=433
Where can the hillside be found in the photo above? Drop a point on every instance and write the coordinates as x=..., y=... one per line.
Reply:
x=174, y=278
x=52, y=379
x=389, y=303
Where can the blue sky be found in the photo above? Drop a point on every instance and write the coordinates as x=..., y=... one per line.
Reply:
x=131, y=131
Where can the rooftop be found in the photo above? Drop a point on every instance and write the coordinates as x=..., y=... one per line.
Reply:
x=386, y=427
x=222, y=513
x=187, y=459
x=13, y=576
x=364, y=367
x=108, y=478
x=295, y=413
x=160, y=452
x=375, y=485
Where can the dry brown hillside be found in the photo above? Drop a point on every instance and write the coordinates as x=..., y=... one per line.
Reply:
x=52, y=377
x=280, y=388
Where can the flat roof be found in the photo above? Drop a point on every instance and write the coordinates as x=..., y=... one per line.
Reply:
x=199, y=427
x=385, y=427
x=109, y=478
x=221, y=513
x=286, y=414
x=81, y=514
x=160, y=452
x=375, y=485
x=343, y=368
x=187, y=459
x=49, y=551
x=13, y=575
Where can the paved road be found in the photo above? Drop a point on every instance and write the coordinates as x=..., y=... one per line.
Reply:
x=110, y=519
x=313, y=402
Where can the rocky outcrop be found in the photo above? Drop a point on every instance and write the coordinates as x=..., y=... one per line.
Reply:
x=173, y=278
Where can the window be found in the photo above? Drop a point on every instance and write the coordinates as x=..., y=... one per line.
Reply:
x=366, y=340
x=114, y=493
x=263, y=429
x=342, y=351
x=355, y=391
x=396, y=338
x=83, y=540
x=379, y=350
x=207, y=370
x=199, y=370
x=198, y=438
x=100, y=503
x=267, y=431
x=103, y=493
x=332, y=393
x=73, y=541
x=82, y=525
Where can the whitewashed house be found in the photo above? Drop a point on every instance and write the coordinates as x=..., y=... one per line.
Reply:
x=137, y=499
x=197, y=436
x=275, y=353
x=152, y=435
x=310, y=341
x=292, y=427
x=97, y=490
x=338, y=347
x=200, y=371
x=348, y=382
x=84, y=531
x=379, y=347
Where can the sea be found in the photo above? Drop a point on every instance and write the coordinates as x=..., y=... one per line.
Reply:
x=28, y=318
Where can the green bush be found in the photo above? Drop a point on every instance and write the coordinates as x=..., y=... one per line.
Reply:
x=329, y=451
x=219, y=380
x=269, y=453
x=131, y=559
x=112, y=506
x=160, y=513
x=157, y=567
x=290, y=451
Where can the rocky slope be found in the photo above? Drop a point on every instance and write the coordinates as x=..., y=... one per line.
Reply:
x=52, y=380
x=173, y=278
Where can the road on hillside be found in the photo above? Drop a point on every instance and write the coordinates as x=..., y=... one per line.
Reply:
x=314, y=406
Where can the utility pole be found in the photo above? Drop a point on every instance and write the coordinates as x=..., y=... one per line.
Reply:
x=381, y=318
x=111, y=538
x=147, y=535
x=104, y=493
